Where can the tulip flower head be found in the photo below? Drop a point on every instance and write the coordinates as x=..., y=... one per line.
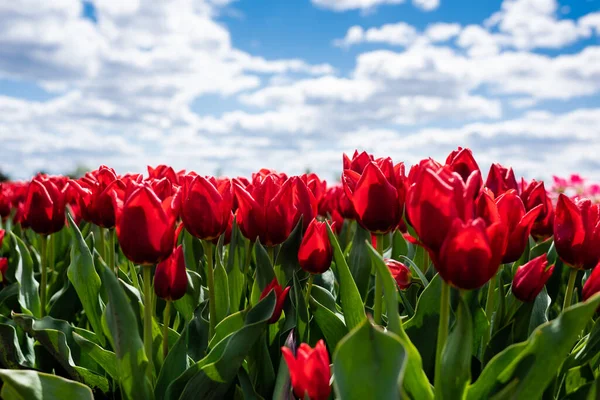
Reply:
x=309, y=371
x=281, y=296
x=463, y=163
x=501, y=179
x=315, y=253
x=534, y=194
x=44, y=209
x=592, y=285
x=530, y=278
x=145, y=226
x=577, y=232
x=400, y=272
x=170, y=277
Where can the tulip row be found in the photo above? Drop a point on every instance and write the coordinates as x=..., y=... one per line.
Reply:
x=394, y=277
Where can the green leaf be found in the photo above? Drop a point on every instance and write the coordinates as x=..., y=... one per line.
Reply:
x=214, y=373
x=125, y=339
x=175, y=364
x=352, y=305
x=297, y=296
x=85, y=279
x=529, y=371
x=283, y=384
x=456, y=356
x=235, y=279
x=221, y=292
x=399, y=245
x=264, y=268
x=194, y=295
x=247, y=389
x=11, y=355
x=261, y=368
x=590, y=349
x=106, y=359
x=32, y=385
x=228, y=326
x=333, y=328
x=369, y=364
x=29, y=297
x=415, y=383
x=359, y=261
x=539, y=313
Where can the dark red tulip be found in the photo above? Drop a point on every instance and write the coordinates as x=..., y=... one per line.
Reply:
x=5, y=200
x=206, y=206
x=577, y=232
x=45, y=206
x=376, y=194
x=170, y=277
x=471, y=253
x=463, y=163
x=436, y=199
x=3, y=268
x=309, y=371
x=145, y=226
x=315, y=251
x=534, y=194
x=518, y=223
x=270, y=211
x=2, y=234
x=227, y=238
x=315, y=185
x=530, y=278
x=163, y=188
x=592, y=285
x=400, y=272
x=281, y=295
x=501, y=179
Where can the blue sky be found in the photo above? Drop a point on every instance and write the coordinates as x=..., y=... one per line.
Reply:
x=232, y=86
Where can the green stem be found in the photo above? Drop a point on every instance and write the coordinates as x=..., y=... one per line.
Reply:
x=210, y=274
x=167, y=321
x=489, y=309
x=442, y=336
x=51, y=254
x=44, y=266
x=309, y=286
x=248, y=255
x=148, y=318
x=271, y=250
x=570, y=287
x=378, y=307
x=102, y=244
x=111, y=252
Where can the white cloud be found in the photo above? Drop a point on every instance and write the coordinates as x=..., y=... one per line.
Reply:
x=345, y=5
x=399, y=34
x=442, y=32
x=427, y=5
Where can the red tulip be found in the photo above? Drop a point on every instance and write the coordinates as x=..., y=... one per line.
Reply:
x=163, y=171
x=5, y=200
x=533, y=195
x=45, y=206
x=400, y=272
x=315, y=185
x=2, y=234
x=471, y=253
x=377, y=195
x=270, y=211
x=170, y=277
x=163, y=188
x=206, y=206
x=592, y=285
x=3, y=268
x=530, y=278
x=309, y=371
x=315, y=251
x=281, y=295
x=358, y=163
x=145, y=226
x=517, y=221
x=577, y=232
x=462, y=162
x=501, y=179
x=227, y=238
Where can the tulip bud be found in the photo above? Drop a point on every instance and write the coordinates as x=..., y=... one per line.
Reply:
x=45, y=206
x=3, y=268
x=170, y=277
x=462, y=162
x=592, y=285
x=281, y=295
x=576, y=233
x=534, y=194
x=315, y=251
x=309, y=371
x=145, y=226
x=530, y=278
x=400, y=272
x=501, y=179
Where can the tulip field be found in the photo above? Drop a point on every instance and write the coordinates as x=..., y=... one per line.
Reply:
x=413, y=282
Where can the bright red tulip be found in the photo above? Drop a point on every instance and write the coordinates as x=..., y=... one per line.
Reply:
x=517, y=221
x=163, y=171
x=400, y=272
x=592, y=285
x=471, y=253
x=315, y=253
x=206, y=206
x=501, y=179
x=534, y=194
x=270, y=211
x=2, y=234
x=309, y=371
x=577, y=232
x=170, y=277
x=358, y=163
x=530, y=278
x=377, y=194
x=145, y=226
x=315, y=185
x=281, y=295
x=463, y=163
x=45, y=206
